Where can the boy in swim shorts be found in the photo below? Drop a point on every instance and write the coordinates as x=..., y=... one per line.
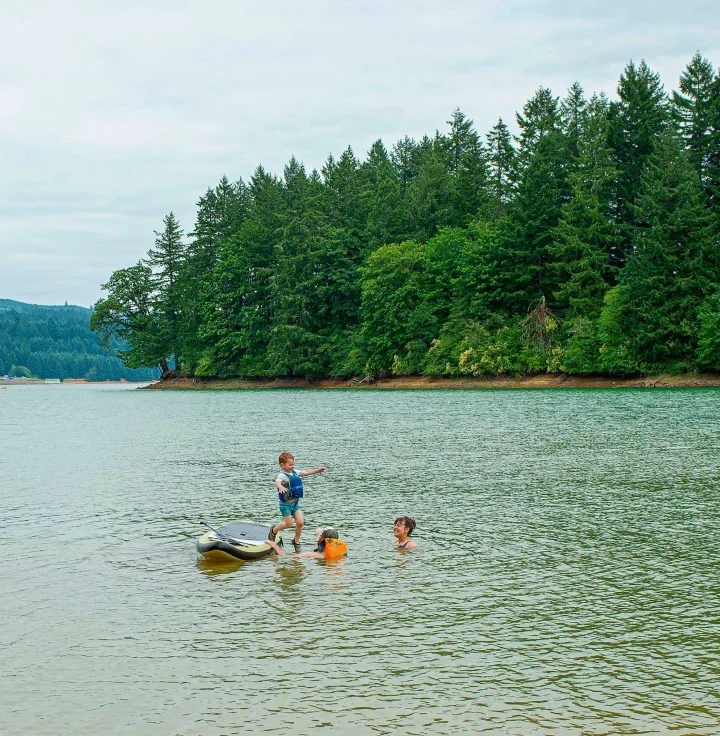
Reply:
x=290, y=490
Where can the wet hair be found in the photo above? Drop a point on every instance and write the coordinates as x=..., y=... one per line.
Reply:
x=284, y=457
x=328, y=532
x=407, y=522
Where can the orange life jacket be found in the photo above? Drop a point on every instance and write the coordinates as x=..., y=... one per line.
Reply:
x=335, y=548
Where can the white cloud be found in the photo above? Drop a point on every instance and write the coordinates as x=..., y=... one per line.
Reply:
x=113, y=114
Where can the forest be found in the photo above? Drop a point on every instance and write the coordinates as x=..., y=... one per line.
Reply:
x=586, y=241
x=56, y=342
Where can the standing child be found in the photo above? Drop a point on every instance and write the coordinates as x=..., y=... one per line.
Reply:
x=290, y=490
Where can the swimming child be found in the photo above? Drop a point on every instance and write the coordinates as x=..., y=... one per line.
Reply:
x=290, y=491
x=329, y=546
x=402, y=529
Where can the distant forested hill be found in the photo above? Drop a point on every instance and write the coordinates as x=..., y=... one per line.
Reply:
x=56, y=342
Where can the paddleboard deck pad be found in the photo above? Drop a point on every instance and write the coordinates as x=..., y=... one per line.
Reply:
x=237, y=540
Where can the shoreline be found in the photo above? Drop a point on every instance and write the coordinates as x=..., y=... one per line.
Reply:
x=73, y=381
x=542, y=381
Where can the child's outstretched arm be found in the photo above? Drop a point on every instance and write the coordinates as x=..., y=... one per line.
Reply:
x=312, y=471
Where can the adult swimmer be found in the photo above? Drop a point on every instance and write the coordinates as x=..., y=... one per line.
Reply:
x=329, y=546
x=402, y=529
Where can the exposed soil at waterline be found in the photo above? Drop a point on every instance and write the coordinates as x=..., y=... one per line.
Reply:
x=705, y=380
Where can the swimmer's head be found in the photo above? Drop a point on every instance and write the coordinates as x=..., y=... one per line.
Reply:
x=405, y=523
x=326, y=532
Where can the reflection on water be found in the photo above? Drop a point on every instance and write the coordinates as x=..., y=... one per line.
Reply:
x=215, y=567
x=290, y=573
x=566, y=580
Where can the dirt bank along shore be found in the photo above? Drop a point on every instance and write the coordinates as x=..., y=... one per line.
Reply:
x=432, y=382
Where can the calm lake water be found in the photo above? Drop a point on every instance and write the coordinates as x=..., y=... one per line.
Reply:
x=567, y=579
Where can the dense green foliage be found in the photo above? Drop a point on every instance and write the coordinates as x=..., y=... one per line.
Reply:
x=590, y=242
x=56, y=342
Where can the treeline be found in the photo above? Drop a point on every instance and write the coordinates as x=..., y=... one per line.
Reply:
x=56, y=342
x=588, y=243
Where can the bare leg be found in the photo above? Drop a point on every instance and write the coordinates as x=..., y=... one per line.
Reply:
x=286, y=523
x=299, y=521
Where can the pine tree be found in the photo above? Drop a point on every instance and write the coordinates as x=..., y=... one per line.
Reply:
x=236, y=314
x=573, y=117
x=462, y=138
x=540, y=117
x=403, y=157
x=221, y=212
x=711, y=178
x=470, y=196
x=693, y=109
x=343, y=185
x=382, y=199
x=166, y=261
x=587, y=235
x=541, y=190
x=295, y=346
x=674, y=265
x=431, y=192
x=636, y=121
x=502, y=167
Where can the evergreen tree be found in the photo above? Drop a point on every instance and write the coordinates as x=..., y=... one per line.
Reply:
x=573, y=117
x=237, y=313
x=462, y=138
x=587, y=236
x=711, y=172
x=524, y=265
x=635, y=122
x=502, y=168
x=166, y=261
x=540, y=117
x=471, y=198
x=674, y=265
x=428, y=258
x=431, y=192
x=295, y=342
x=693, y=106
x=342, y=191
x=382, y=199
x=221, y=212
x=404, y=160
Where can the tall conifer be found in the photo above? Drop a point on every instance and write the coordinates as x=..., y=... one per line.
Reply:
x=693, y=106
x=587, y=234
x=167, y=260
x=635, y=120
x=674, y=265
x=502, y=167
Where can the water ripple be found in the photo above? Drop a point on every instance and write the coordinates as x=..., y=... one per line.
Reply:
x=566, y=580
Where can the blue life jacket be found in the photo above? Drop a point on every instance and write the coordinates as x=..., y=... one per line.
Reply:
x=296, y=488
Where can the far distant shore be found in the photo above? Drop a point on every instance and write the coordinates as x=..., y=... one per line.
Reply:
x=47, y=382
x=543, y=381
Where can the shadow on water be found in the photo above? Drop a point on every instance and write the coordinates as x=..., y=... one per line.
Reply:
x=214, y=567
x=290, y=573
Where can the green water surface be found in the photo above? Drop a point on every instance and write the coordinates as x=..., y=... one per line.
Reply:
x=566, y=580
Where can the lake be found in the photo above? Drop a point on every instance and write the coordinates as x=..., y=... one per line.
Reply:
x=566, y=580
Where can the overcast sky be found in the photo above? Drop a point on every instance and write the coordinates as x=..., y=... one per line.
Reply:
x=115, y=113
